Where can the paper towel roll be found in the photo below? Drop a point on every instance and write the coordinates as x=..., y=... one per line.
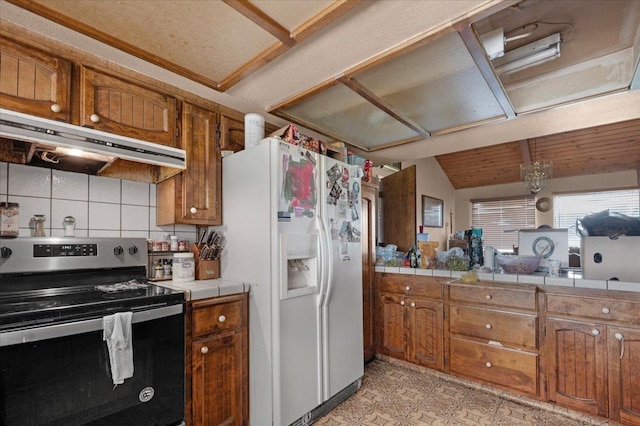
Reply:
x=253, y=129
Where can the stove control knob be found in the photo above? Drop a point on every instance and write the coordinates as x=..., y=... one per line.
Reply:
x=133, y=250
x=117, y=250
x=5, y=252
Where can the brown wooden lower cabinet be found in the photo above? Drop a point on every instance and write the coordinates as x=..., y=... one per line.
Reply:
x=624, y=374
x=218, y=362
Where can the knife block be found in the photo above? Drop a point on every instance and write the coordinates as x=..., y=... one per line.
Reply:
x=205, y=269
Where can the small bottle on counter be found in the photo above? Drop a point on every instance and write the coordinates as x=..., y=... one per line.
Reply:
x=38, y=221
x=166, y=268
x=158, y=271
x=174, y=243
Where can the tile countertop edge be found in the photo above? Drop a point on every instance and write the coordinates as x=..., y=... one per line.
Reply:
x=205, y=289
x=541, y=280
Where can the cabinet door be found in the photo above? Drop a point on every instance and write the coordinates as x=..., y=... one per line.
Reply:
x=194, y=196
x=391, y=326
x=217, y=381
x=624, y=374
x=231, y=134
x=425, y=333
x=577, y=362
x=117, y=106
x=34, y=82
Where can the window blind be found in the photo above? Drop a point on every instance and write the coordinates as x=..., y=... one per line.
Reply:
x=569, y=207
x=501, y=218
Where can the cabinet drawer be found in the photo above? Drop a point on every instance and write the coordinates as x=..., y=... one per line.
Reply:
x=504, y=327
x=602, y=309
x=417, y=286
x=511, y=368
x=215, y=317
x=493, y=296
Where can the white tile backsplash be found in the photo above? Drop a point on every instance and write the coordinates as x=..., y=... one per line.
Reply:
x=69, y=186
x=62, y=208
x=135, y=193
x=104, y=216
x=135, y=218
x=104, y=190
x=102, y=206
x=29, y=181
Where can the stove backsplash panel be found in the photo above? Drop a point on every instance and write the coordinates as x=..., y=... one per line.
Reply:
x=102, y=207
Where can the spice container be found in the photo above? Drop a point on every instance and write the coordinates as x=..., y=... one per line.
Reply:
x=39, y=220
x=174, y=243
x=9, y=225
x=69, y=223
x=183, y=267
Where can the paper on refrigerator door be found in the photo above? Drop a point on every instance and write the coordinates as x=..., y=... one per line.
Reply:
x=298, y=192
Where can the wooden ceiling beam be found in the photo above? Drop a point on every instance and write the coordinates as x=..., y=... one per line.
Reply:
x=324, y=18
x=357, y=87
x=264, y=21
x=472, y=41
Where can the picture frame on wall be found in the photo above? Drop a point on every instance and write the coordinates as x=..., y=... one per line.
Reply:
x=432, y=212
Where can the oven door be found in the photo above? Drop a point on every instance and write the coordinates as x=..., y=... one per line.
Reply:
x=61, y=375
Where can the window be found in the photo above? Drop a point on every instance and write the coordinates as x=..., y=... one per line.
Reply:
x=569, y=207
x=501, y=218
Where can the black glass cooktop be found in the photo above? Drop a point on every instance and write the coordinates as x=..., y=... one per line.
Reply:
x=30, y=300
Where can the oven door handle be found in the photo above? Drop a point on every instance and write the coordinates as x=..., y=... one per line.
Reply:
x=35, y=334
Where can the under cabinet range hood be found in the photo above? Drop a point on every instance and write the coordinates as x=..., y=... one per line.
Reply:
x=55, y=134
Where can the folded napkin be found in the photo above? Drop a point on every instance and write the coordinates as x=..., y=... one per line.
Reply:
x=117, y=334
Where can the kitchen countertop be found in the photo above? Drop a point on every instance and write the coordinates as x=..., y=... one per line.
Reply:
x=568, y=278
x=205, y=289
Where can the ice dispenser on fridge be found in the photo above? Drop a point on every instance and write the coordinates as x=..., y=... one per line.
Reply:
x=300, y=264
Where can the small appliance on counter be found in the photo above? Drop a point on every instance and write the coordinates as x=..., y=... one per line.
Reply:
x=611, y=259
x=550, y=243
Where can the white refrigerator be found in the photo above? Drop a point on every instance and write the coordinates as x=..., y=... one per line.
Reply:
x=292, y=227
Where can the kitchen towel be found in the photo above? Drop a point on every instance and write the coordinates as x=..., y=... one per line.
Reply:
x=117, y=334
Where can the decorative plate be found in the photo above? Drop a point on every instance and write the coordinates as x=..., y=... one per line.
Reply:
x=543, y=204
x=543, y=244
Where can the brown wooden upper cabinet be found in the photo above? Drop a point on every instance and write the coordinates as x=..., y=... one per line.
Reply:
x=194, y=196
x=34, y=82
x=231, y=133
x=125, y=108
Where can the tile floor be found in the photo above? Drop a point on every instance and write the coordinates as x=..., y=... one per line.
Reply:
x=397, y=394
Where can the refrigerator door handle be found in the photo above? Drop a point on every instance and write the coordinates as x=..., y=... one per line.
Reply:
x=323, y=260
x=329, y=265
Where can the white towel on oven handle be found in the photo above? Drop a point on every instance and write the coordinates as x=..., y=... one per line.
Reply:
x=117, y=334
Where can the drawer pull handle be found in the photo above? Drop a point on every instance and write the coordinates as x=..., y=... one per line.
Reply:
x=488, y=364
x=95, y=118
x=620, y=338
x=489, y=326
x=193, y=210
x=407, y=288
x=605, y=310
x=204, y=349
x=595, y=332
x=222, y=318
x=488, y=297
x=56, y=108
x=402, y=303
x=413, y=304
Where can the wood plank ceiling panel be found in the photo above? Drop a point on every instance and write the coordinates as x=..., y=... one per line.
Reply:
x=602, y=149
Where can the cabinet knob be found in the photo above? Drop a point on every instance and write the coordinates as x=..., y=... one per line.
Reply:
x=222, y=318
x=402, y=302
x=407, y=288
x=193, y=210
x=204, y=349
x=619, y=336
x=605, y=310
x=595, y=332
x=488, y=364
x=94, y=118
x=489, y=326
x=56, y=108
x=488, y=297
x=413, y=304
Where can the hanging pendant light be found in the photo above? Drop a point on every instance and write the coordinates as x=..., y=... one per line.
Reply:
x=535, y=174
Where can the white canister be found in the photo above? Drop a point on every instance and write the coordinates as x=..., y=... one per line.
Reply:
x=184, y=267
x=253, y=129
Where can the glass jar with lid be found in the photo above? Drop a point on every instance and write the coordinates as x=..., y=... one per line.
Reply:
x=9, y=224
